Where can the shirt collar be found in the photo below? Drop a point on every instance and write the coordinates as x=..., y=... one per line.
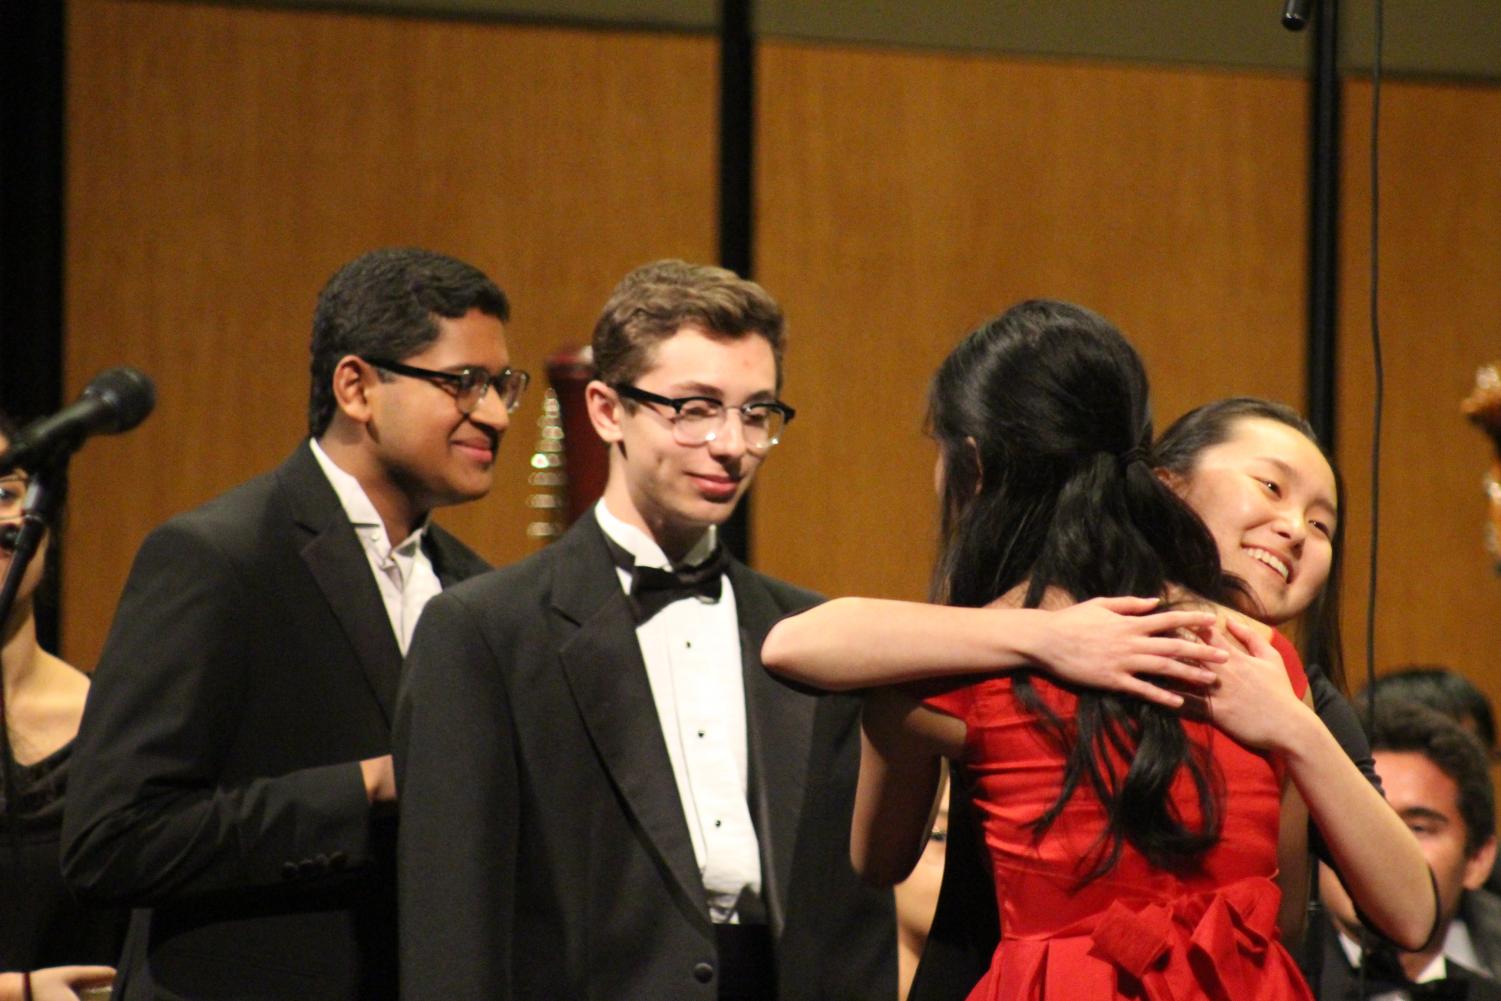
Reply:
x=1436, y=969
x=643, y=548
x=361, y=512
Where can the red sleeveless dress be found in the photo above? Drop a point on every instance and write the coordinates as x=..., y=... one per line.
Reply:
x=1137, y=932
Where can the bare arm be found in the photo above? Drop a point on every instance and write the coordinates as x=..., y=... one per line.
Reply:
x=902, y=744
x=1379, y=857
x=56, y=983
x=1106, y=643
x=1293, y=865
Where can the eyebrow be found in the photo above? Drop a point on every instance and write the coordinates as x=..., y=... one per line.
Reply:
x=1425, y=813
x=714, y=392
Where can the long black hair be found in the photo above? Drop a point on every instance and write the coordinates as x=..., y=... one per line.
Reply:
x=1178, y=452
x=1044, y=427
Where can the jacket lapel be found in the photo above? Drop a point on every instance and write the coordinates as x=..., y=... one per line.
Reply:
x=601, y=660
x=339, y=566
x=779, y=726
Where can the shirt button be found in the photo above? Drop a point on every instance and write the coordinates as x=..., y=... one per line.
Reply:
x=703, y=973
x=718, y=823
x=700, y=733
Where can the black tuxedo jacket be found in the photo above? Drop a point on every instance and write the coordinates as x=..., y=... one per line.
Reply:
x=1338, y=980
x=250, y=665
x=544, y=852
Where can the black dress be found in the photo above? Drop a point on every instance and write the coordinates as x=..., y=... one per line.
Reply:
x=41, y=924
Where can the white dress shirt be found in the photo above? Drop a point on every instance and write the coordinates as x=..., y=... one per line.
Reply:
x=693, y=662
x=403, y=573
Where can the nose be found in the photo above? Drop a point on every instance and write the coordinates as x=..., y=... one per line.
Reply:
x=491, y=412
x=1292, y=527
x=729, y=441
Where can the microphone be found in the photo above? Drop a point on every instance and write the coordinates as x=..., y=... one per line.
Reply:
x=117, y=400
x=1295, y=14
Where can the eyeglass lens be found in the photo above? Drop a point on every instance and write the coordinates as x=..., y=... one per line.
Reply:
x=699, y=422
x=476, y=382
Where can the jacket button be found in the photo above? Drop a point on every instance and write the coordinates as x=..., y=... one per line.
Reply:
x=307, y=867
x=289, y=870
x=338, y=860
x=703, y=973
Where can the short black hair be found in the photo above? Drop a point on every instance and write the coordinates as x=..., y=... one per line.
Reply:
x=386, y=303
x=1403, y=725
x=1445, y=690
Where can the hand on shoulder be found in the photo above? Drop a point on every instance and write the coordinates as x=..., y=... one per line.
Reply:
x=1123, y=644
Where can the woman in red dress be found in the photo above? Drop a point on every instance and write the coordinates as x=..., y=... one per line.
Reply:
x=1137, y=850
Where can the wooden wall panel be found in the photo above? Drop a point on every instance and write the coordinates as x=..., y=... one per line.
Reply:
x=903, y=197
x=1439, y=600
x=223, y=161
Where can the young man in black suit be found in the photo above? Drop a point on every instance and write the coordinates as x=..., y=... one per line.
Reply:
x=232, y=777
x=604, y=794
x=1437, y=777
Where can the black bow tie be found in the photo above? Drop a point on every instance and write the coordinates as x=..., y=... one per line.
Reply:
x=653, y=589
x=1384, y=974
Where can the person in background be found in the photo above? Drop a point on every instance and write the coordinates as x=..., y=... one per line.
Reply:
x=1437, y=779
x=233, y=777
x=51, y=947
x=1445, y=690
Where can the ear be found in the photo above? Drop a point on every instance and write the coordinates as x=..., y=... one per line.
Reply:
x=604, y=407
x=352, y=381
x=974, y=455
x=1174, y=482
x=1478, y=866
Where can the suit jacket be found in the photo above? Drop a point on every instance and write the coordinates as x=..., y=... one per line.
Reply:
x=1337, y=980
x=544, y=852
x=1480, y=910
x=250, y=665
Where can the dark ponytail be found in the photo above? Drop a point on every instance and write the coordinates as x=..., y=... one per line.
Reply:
x=1043, y=423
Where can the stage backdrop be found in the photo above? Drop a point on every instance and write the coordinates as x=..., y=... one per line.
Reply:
x=223, y=160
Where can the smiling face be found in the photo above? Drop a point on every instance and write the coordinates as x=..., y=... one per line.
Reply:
x=424, y=448
x=670, y=490
x=1269, y=499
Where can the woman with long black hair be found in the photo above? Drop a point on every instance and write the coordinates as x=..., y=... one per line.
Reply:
x=1134, y=845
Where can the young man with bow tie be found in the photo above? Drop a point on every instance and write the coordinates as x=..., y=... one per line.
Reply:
x=1437, y=778
x=603, y=793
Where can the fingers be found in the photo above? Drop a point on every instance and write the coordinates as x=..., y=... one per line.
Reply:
x=1192, y=651
x=1170, y=667
x=1148, y=692
x=90, y=976
x=1128, y=604
x=1256, y=645
x=1167, y=622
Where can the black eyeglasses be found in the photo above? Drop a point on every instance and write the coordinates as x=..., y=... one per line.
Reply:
x=469, y=384
x=699, y=419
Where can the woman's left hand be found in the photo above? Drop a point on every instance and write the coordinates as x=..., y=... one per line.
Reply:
x=1252, y=698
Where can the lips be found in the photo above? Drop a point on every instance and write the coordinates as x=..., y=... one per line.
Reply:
x=480, y=451
x=715, y=487
x=1279, y=565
